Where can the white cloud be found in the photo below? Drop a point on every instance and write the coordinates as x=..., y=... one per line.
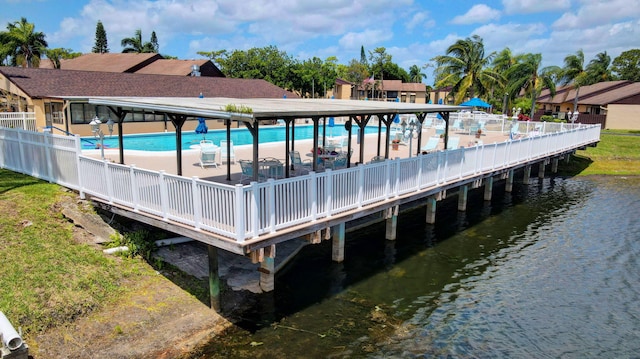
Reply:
x=534, y=6
x=480, y=13
x=366, y=38
x=598, y=12
x=420, y=20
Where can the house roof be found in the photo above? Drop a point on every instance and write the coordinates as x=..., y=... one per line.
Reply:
x=52, y=83
x=108, y=62
x=601, y=93
x=180, y=67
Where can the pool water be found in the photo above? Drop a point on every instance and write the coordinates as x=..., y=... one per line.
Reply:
x=166, y=141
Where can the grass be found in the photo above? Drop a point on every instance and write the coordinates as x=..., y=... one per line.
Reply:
x=618, y=153
x=47, y=278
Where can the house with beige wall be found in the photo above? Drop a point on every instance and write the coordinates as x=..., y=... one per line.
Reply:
x=59, y=98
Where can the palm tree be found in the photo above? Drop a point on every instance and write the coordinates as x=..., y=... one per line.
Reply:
x=526, y=75
x=135, y=44
x=415, y=75
x=465, y=66
x=598, y=68
x=574, y=73
x=24, y=44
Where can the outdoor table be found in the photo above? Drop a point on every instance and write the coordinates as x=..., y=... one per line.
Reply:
x=271, y=168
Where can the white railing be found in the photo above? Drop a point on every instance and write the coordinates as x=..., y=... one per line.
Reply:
x=245, y=212
x=21, y=120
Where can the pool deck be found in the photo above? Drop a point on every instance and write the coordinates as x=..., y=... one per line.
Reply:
x=165, y=160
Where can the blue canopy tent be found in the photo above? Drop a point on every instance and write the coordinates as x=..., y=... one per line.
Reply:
x=476, y=102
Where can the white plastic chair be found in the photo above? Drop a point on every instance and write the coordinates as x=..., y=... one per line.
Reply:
x=230, y=156
x=208, y=153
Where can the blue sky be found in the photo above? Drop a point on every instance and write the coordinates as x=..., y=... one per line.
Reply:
x=412, y=31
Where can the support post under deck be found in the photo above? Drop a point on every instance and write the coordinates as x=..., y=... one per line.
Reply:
x=392, y=223
x=488, y=188
x=463, y=194
x=541, y=169
x=554, y=165
x=267, y=274
x=431, y=210
x=214, y=278
x=527, y=174
x=508, y=187
x=337, y=246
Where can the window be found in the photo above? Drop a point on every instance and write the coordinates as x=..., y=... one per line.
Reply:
x=84, y=113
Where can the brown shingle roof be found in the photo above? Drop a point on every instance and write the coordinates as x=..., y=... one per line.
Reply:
x=613, y=96
x=41, y=83
x=109, y=62
x=180, y=67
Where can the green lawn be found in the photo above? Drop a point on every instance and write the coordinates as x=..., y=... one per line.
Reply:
x=618, y=153
x=47, y=278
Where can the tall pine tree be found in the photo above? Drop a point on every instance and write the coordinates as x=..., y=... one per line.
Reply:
x=101, y=40
x=154, y=42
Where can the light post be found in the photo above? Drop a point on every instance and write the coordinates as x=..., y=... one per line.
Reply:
x=411, y=130
x=97, y=132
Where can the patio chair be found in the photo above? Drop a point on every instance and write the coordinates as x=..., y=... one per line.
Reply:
x=377, y=159
x=208, y=153
x=453, y=142
x=432, y=144
x=229, y=157
x=340, y=161
x=247, y=171
x=300, y=166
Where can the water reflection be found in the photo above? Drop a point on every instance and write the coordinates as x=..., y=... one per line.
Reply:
x=548, y=270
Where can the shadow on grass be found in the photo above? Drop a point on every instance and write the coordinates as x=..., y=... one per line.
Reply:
x=10, y=180
x=576, y=165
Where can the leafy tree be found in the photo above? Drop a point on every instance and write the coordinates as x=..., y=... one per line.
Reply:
x=100, y=46
x=416, y=74
x=627, y=65
x=136, y=45
x=465, y=66
x=526, y=75
x=356, y=72
x=266, y=63
x=214, y=56
x=57, y=54
x=598, y=68
x=23, y=44
x=385, y=69
x=575, y=73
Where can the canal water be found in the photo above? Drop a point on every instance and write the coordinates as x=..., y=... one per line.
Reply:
x=550, y=270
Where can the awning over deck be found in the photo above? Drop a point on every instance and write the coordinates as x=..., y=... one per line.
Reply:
x=269, y=108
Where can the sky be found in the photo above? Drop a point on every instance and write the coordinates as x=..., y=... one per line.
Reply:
x=412, y=31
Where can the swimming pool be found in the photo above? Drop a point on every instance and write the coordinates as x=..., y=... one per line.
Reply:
x=240, y=136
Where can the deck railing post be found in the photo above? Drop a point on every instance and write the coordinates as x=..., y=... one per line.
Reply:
x=134, y=188
x=396, y=183
x=23, y=160
x=48, y=148
x=360, y=185
x=313, y=194
x=164, y=196
x=77, y=158
x=329, y=193
x=272, y=204
x=109, y=180
x=387, y=178
x=197, y=202
x=239, y=213
x=419, y=159
x=254, y=209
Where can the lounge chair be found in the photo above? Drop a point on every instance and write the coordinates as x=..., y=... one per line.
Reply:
x=299, y=166
x=229, y=157
x=453, y=142
x=247, y=171
x=208, y=153
x=431, y=145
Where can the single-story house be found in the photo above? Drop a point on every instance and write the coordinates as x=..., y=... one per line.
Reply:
x=59, y=97
x=614, y=104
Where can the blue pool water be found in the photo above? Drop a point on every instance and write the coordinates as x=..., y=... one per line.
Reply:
x=167, y=141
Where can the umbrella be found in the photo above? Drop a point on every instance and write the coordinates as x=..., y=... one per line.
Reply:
x=202, y=127
x=476, y=102
x=332, y=123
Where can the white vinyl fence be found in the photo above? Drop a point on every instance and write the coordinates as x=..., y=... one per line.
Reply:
x=22, y=120
x=245, y=212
